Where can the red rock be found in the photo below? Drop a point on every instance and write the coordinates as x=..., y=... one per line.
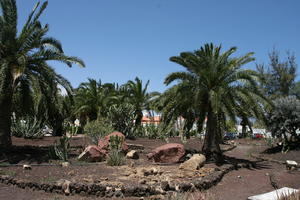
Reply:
x=93, y=153
x=104, y=143
x=168, y=153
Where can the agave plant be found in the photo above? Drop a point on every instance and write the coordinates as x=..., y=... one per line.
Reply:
x=28, y=127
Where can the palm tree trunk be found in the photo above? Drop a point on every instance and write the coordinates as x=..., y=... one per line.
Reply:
x=139, y=116
x=6, y=93
x=211, y=147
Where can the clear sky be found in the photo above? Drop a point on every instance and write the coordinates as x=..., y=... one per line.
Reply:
x=122, y=39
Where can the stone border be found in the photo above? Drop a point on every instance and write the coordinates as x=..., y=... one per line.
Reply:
x=107, y=190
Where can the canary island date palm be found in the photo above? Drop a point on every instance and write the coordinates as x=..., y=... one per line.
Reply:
x=138, y=96
x=23, y=55
x=92, y=99
x=216, y=86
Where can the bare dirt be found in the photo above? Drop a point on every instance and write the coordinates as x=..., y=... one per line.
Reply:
x=235, y=185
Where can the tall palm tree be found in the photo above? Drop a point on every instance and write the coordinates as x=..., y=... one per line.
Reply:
x=139, y=97
x=24, y=55
x=216, y=84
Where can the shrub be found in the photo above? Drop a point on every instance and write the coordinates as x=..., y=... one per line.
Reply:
x=152, y=131
x=97, y=129
x=115, y=158
x=29, y=127
x=61, y=149
x=122, y=118
x=284, y=120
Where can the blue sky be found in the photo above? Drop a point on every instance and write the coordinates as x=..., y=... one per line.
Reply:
x=122, y=39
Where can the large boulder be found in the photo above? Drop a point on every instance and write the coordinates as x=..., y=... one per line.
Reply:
x=93, y=153
x=194, y=163
x=104, y=143
x=168, y=153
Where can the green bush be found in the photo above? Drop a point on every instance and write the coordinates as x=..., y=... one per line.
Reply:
x=28, y=127
x=115, y=158
x=97, y=129
x=122, y=118
x=152, y=131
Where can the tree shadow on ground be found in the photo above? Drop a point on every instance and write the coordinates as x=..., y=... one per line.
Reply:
x=249, y=164
x=25, y=154
x=278, y=149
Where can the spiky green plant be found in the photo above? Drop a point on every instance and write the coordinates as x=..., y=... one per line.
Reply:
x=28, y=127
x=61, y=148
x=115, y=158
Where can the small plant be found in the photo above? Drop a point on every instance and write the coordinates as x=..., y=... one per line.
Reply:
x=97, y=129
x=61, y=149
x=115, y=156
x=29, y=128
x=115, y=142
x=71, y=129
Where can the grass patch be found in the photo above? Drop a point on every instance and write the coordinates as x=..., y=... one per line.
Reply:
x=8, y=173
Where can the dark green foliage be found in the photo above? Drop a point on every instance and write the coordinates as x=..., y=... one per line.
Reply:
x=98, y=129
x=115, y=142
x=92, y=99
x=28, y=127
x=284, y=120
x=278, y=78
x=138, y=96
x=295, y=91
x=213, y=87
x=122, y=118
x=24, y=69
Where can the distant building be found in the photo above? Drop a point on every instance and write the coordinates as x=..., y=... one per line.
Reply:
x=149, y=120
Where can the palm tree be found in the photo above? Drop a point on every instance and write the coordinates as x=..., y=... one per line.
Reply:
x=92, y=99
x=24, y=55
x=217, y=87
x=139, y=97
